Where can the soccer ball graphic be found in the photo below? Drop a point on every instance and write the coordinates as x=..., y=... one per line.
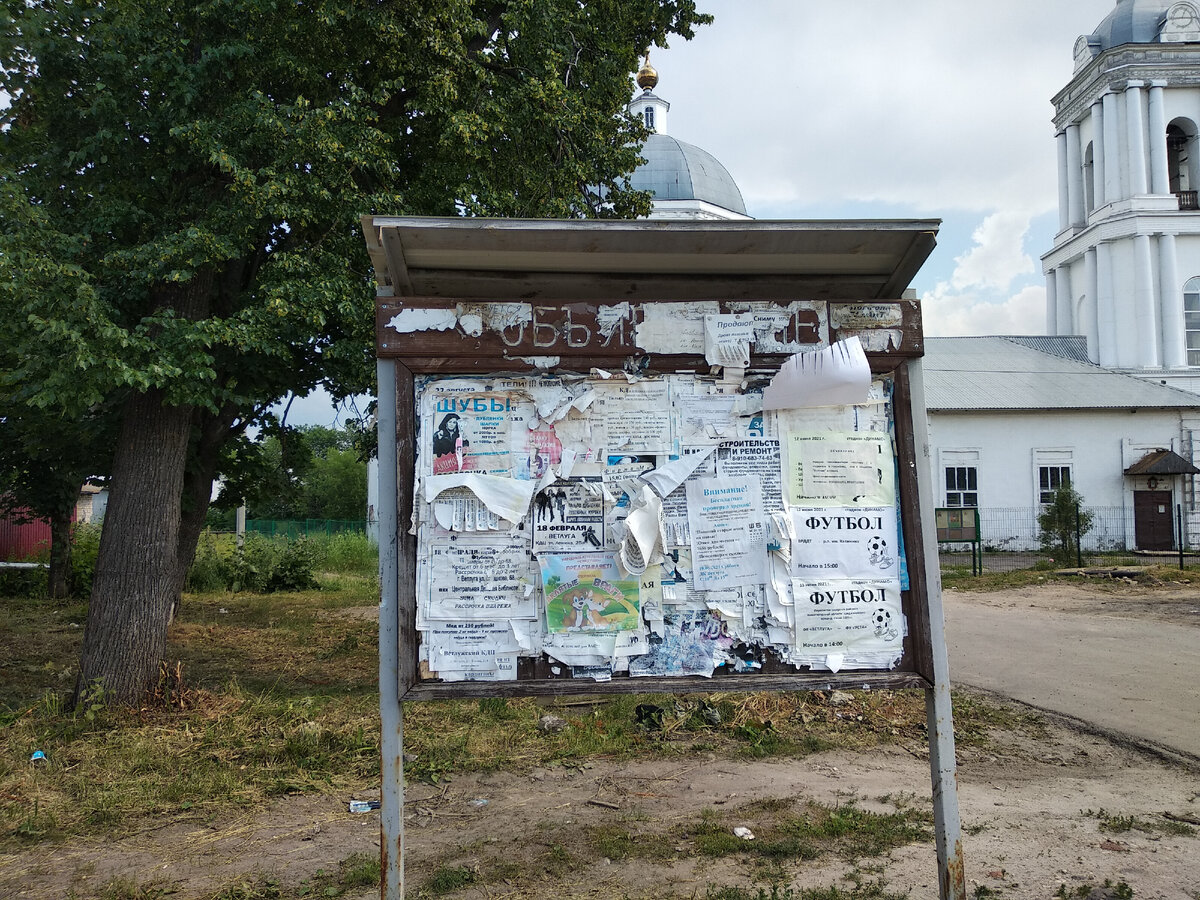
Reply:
x=877, y=546
x=877, y=553
x=882, y=620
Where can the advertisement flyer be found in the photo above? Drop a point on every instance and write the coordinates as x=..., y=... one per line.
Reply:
x=480, y=647
x=479, y=578
x=851, y=618
x=587, y=592
x=568, y=517
x=474, y=432
x=840, y=469
x=845, y=542
x=636, y=418
x=760, y=459
x=728, y=534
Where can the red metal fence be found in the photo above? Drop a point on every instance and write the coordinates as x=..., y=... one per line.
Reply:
x=21, y=542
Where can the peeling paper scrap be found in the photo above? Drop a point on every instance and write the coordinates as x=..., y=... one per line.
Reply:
x=671, y=328
x=506, y=497
x=666, y=478
x=727, y=340
x=839, y=375
x=409, y=320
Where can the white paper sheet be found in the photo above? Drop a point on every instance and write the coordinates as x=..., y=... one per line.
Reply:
x=728, y=535
x=506, y=497
x=839, y=375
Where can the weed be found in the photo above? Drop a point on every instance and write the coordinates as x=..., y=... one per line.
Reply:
x=251, y=887
x=1118, y=824
x=359, y=870
x=1108, y=891
x=873, y=890
x=448, y=879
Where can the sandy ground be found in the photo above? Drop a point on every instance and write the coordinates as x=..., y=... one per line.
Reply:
x=1028, y=806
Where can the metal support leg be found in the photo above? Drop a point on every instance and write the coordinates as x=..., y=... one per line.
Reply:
x=391, y=712
x=952, y=884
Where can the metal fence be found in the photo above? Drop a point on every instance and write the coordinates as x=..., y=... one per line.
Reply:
x=1011, y=540
x=295, y=528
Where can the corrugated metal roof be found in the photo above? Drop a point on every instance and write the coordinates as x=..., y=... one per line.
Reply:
x=1067, y=346
x=997, y=373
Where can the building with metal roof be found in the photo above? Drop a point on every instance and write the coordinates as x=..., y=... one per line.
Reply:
x=1012, y=418
x=1006, y=373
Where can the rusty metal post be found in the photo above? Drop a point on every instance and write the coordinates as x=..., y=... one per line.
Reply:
x=391, y=712
x=939, y=715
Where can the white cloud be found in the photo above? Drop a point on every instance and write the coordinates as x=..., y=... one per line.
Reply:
x=936, y=106
x=946, y=313
x=998, y=256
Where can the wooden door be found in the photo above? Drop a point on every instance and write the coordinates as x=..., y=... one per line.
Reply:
x=1153, y=520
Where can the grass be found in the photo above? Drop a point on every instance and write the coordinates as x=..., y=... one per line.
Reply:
x=276, y=694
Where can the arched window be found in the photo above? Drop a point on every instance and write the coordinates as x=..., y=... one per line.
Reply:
x=1191, y=319
x=1089, y=178
x=1181, y=162
x=649, y=117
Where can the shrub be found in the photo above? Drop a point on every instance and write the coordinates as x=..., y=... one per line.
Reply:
x=85, y=547
x=1059, y=520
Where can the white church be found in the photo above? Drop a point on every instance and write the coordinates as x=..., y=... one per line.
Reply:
x=1107, y=400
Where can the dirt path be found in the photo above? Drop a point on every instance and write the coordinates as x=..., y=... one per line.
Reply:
x=1031, y=805
x=1120, y=656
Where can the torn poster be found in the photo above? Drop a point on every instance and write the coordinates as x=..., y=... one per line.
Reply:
x=587, y=592
x=471, y=646
x=479, y=578
x=691, y=644
x=727, y=339
x=728, y=534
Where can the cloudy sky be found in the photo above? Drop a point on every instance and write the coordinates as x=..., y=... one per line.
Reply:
x=880, y=109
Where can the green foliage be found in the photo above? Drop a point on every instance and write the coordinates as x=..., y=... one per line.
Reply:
x=1062, y=522
x=311, y=472
x=181, y=193
x=85, y=551
x=23, y=582
x=267, y=565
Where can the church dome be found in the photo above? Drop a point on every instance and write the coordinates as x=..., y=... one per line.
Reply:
x=1132, y=22
x=675, y=170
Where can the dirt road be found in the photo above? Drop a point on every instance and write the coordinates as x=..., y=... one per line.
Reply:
x=1123, y=658
x=1047, y=810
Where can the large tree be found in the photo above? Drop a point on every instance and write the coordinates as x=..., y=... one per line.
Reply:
x=204, y=165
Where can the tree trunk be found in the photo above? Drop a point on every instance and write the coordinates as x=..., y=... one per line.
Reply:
x=126, y=634
x=60, y=553
x=214, y=430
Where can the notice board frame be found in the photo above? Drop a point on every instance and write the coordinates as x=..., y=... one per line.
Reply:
x=410, y=353
x=402, y=358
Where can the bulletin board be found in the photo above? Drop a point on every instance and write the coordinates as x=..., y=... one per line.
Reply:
x=604, y=496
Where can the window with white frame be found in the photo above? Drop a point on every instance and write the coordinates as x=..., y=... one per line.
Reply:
x=649, y=116
x=962, y=486
x=960, y=471
x=1191, y=319
x=1050, y=478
